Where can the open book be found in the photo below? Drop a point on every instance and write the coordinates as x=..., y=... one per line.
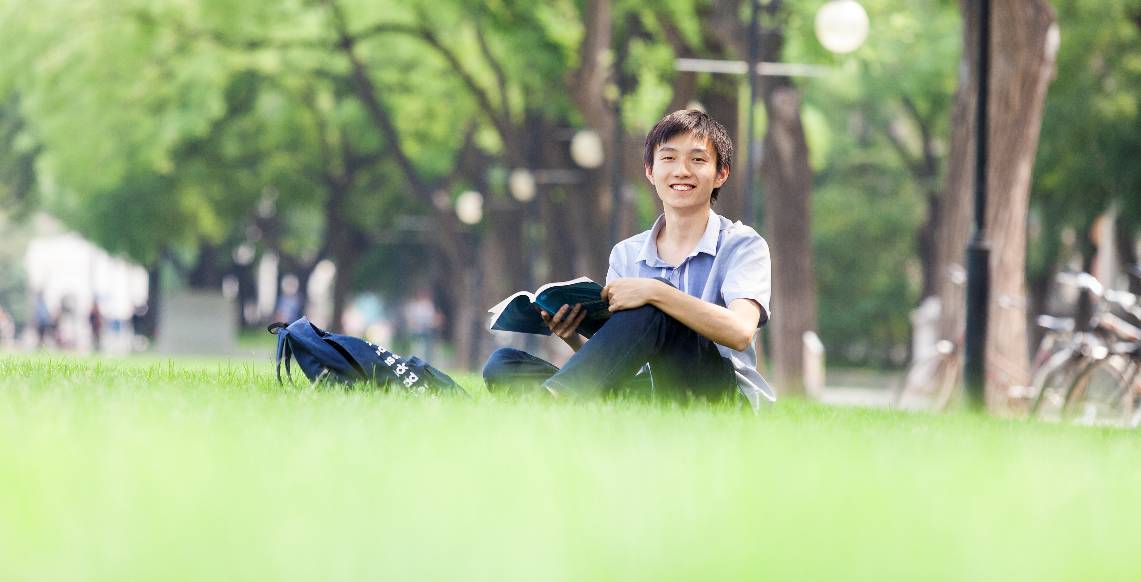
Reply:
x=520, y=311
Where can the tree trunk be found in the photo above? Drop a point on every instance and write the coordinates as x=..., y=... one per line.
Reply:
x=562, y=248
x=587, y=86
x=346, y=257
x=725, y=37
x=722, y=103
x=467, y=329
x=247, y=294
x=564, y=252
x=722, y=37
x=787, y=181
x=208, y=269
x=1023, y=48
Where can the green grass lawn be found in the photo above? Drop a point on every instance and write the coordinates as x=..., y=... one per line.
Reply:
x=156, y=470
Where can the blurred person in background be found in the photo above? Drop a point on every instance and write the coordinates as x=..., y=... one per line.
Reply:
x=44, y=320
x=289, y=305
x=7, y=328
x=422, y=320
x=139, y=340
x=95, y=320
x=66, y=325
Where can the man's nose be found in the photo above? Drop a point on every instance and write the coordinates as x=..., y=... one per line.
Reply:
x=682, y=169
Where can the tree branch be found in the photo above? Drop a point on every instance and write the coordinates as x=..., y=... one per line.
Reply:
x=148, y=18
x=322, y=136
x=930, y=163
x=685, y=83
x=466, y=152
x=370, y=98
x=588, y=80
x=726, y=27
x=901, y=148
x=501, y=121
x=496, y=68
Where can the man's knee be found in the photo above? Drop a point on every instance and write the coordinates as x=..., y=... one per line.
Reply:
x=641, y=316
x=644, y=315
x=498, y=365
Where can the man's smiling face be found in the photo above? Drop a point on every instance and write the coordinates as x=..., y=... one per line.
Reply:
x=685, y=173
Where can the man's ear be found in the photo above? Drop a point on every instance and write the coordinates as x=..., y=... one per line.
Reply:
x=722, y=176
x=649, y=172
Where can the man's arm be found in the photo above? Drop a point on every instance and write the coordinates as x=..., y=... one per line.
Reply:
x=732, y=326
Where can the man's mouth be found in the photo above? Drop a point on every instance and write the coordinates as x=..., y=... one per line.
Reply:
x=681, y=187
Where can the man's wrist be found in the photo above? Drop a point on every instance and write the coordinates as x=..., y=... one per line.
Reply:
x=658, y=295
x=575, y=341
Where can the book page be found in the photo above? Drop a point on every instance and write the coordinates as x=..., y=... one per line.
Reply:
x=519, y=315
x=540, y=290
x=586, y=292
x=499, y=307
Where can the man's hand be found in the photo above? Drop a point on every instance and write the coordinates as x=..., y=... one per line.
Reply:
x=564, y=323
x=632, y=292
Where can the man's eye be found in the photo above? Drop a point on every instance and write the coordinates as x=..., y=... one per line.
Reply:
x=667, y=158
x=699, y=159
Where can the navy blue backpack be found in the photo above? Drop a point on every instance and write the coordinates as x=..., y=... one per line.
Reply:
x=325, y=356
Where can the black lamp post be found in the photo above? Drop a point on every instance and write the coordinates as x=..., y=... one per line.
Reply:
x=750, y=208
x=978, y=250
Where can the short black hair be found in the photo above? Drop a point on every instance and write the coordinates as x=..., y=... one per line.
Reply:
x=691, y=121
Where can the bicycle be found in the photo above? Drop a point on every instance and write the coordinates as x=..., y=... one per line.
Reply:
x=1087, y=376
x=932, y=382
x=1107, y=392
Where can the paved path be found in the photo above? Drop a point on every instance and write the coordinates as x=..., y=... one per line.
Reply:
x=857, y=396
x=858, y=387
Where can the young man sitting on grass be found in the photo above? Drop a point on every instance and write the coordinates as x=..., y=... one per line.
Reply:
x=687, y=296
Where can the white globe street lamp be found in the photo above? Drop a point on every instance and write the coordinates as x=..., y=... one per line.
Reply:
x=842, y=26
x=469, y=207
x=522, y=185
x=586, y=149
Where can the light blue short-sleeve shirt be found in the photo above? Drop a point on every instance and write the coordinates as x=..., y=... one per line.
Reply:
x=731, y=261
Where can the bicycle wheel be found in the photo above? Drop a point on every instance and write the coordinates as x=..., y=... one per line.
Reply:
x=1052, y=383
x=1132, y=401
x=1098, y=395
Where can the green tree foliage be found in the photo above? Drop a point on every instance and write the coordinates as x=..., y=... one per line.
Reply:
x=18, y=151
x=864, y=221
x=110, y=100
x=877, y=130
x=13, y=279
x=180, y=125
x=1091, y=129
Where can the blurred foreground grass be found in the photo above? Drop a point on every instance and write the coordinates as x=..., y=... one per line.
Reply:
x=158, y=470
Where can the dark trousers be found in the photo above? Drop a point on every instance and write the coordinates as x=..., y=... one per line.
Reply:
x=683, y=363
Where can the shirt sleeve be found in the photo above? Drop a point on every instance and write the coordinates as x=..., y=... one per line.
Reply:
x=615, y=270
x=749, y=275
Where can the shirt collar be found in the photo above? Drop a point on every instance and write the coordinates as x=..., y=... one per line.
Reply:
x=707, y=244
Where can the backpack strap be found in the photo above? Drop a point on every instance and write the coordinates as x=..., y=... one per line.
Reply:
x=284, y=350
x=288, y=361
